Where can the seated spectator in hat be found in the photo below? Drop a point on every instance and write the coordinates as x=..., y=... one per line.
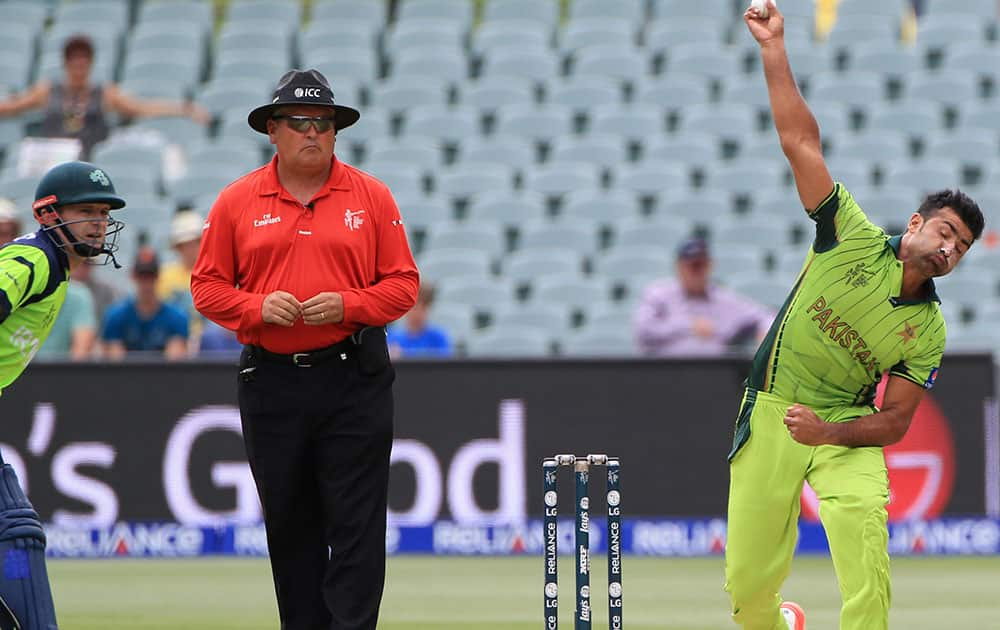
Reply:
x=690, y=316
x=74, y=333
x=10, y=222
x=143, y=322
x=75, y=107
x=414, y=335
x=174, y=284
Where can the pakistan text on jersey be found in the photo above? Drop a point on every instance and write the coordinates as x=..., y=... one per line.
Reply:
x=844, y=334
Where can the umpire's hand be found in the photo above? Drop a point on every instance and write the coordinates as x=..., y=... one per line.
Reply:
x=280, y=308
x=323, y=308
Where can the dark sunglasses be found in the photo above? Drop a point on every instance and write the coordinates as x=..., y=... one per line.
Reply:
x=322, y=124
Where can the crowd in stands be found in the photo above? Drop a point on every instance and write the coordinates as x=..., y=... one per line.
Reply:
x=551, y=159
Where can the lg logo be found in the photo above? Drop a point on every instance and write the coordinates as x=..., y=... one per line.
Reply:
x=310, y=92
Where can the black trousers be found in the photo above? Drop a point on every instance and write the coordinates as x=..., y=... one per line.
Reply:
x=318, y=441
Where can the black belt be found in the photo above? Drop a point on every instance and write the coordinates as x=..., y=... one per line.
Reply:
x=307, y=359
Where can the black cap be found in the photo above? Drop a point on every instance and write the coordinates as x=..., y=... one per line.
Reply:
x=146, y=262
x=302, y=87
x=693, y=247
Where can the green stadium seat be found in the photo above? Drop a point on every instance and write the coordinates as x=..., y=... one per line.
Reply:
x=613, y=32
x=515, y=33
x=554, y=319
x=466, y=181
x=370, y=11
x=598, y=342
x=438, y=265
x=541, y=12
x=488, y=94
x=482, y=295
x=451, y=125
x=704, y=59
x=607, y=207
x=583, y=92
x=638, y=122
x=570, y=290
x=285, y=12
x=523, y=266
x=539, y=123
x=599, y=149
x=351, y=36
x=482, y=235
x=420, y=33
x=438, y=61
x=677, y=9
x=915, y=118
x=511, y=208
x=621, y=64
x=566, y=233
x=515, y=153
x=509, y=342
x=953, y=89
x=925, y=176
x=538, y=65
x=458, y=320
x=398, y=94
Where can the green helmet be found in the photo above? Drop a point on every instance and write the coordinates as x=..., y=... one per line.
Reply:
x=75, y=182
x=71, y=183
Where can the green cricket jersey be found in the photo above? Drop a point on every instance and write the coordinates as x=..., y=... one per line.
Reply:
x=33, y=280
x=843, y=325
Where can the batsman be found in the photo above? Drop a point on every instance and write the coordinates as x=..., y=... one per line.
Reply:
x=72, y=204
x=864, y=304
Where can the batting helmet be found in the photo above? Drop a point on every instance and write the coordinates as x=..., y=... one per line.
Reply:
x=72, y=183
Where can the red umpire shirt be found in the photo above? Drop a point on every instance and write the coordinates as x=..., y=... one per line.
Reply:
x=259, y=239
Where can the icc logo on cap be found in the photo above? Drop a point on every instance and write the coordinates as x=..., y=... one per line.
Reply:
x=312, y=92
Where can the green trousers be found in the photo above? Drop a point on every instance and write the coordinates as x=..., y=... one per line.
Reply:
x=767, y=471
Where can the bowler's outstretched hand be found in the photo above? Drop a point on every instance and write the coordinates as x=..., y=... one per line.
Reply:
x=765, y=29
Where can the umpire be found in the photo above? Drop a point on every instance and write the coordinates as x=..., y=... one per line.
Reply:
x=307, y=260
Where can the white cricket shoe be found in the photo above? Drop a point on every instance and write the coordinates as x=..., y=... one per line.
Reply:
x=793, y=615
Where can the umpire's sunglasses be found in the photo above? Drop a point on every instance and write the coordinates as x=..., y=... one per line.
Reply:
x=322, y=124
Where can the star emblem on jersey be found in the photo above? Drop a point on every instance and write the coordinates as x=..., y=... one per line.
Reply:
x=909, y=332
x=98, y=177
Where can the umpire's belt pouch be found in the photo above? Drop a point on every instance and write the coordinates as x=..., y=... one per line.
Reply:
x=372, y=349
x=24, y=582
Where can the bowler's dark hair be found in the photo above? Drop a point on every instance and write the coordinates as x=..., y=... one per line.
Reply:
x=963, y=205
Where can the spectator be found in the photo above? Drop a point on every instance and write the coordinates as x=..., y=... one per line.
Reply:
x=75, y=107
x=690, y=316
x=414, y=336
x=10, y=222
x=174, y=285
x=102, y=293
x=143, y=323
x=218, y=341
x=74, y=333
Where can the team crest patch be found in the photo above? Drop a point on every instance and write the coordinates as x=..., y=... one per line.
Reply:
x=929, y=383
x=98, y=177
x=353, y=219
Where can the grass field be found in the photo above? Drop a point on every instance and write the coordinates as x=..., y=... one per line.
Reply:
x=433, y=593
